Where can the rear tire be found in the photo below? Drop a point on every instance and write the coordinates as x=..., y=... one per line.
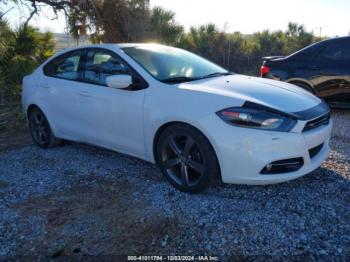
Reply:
x=186, y=158
x=40, y=129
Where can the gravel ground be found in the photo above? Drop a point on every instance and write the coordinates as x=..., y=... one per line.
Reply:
x=80, y=200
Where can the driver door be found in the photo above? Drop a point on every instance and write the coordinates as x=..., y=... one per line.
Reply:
x=333, y=82
x=112, y=118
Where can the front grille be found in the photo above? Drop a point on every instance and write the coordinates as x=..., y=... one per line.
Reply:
x=323, y=120
x=315, y=150
x=283, y=166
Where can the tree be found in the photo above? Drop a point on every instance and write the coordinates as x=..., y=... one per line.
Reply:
x=125, y=21
x=34, y=6
x=6, y=38
x=298, y=37
x=110, y=21
x=203, y=40
x=113, y=20
x=118, y=20
x=164, y=27
x=134, y=21
x=21, y=51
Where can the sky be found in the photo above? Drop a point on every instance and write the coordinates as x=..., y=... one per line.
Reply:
x=247, y=16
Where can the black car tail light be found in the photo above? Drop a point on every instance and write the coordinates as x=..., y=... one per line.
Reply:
x=264, y=70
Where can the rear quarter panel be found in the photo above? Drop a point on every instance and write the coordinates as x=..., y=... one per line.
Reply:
x=29, y=88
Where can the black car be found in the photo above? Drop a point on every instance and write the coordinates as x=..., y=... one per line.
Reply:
x=322, y=68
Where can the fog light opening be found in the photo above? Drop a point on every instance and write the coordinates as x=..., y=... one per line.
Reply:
x=283, y=166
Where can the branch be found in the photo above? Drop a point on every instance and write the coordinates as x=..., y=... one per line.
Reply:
x=7, y=11
x=32, y=13
x=56, y=5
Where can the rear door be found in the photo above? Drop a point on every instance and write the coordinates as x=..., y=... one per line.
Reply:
x=332, y=82
x=303, y=64
x=59, y=86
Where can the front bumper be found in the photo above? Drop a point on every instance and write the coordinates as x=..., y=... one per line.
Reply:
x=243, y=153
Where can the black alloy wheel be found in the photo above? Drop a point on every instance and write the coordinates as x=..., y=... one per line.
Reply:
x=40, y=129
x=186, y=158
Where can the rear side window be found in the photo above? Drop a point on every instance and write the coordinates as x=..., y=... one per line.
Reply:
x=307, y=54
x=337, y=50
x=100, y=64
x=65, y=66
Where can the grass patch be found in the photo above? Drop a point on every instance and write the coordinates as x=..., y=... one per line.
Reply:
x=13, y=126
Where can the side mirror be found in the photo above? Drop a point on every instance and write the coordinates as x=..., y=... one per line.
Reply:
x=119, y=81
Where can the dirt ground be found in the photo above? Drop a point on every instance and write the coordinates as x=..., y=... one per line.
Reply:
x=83, y=202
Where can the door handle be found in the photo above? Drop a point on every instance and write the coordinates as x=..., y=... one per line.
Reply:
x=315, y=68
x=84, y=93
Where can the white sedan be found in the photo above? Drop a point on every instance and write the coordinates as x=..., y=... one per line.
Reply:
x=194, y=119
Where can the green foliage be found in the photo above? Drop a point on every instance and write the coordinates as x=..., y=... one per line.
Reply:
x=111, y=21
x=243, y=53
x=21, y=51
x=206, y=41
x=133, y=21
x=164, y=27
x=123, y=21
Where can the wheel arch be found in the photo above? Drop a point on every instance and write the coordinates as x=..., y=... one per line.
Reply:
x=297, y=81
x=166, y=125
x=30, y=108
x=51, y=124
x=53, y=140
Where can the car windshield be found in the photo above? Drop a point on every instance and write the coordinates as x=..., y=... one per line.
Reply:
x=173, y=65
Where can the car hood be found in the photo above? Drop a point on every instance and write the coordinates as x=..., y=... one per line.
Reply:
x=274, y=94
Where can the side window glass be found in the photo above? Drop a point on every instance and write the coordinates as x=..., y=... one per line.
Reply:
x=308, y=54
x=337, y=51
x=65, y=66
x=101, y=64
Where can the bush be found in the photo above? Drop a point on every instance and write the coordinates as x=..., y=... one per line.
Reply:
x=21, y=51
x=243, y=53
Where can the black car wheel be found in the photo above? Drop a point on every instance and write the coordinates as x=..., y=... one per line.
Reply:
x=186, y=158
x=40, y=129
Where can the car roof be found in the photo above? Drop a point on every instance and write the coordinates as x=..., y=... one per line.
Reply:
x=125, y=45
x=104, y=45
x=335, y=38
x=110, y=45
x=317, y=43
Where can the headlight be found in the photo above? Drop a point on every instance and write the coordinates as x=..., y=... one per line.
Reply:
x=256, y=118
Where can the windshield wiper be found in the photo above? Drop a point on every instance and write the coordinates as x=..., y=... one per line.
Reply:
x=216, y=74
x=180, y=79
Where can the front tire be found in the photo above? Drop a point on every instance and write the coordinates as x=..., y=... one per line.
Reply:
x=186, y=158
x=40, y=129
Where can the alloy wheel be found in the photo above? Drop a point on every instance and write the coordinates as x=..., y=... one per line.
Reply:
x=39, y=128
x=182, y=160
